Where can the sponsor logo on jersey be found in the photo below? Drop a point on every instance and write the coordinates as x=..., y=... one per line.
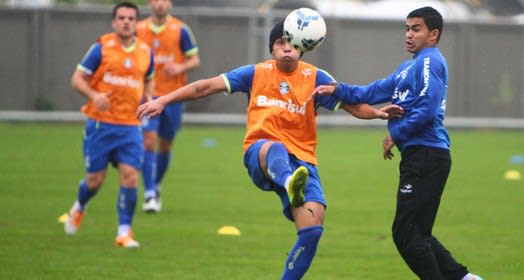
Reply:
x=401, y=95
x=267, y=66
x=156, y=43
x=264, y=101
x=283, y=87
x=128, y=63
x=121, y=81
x=306, y=72
x=111, y=43
x=426, y=76
x=404, y=73
x=164, y=59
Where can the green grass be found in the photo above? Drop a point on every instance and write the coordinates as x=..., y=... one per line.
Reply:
x=480, y=220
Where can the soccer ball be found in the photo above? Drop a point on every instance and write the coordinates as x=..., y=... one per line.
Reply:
x=304, y=29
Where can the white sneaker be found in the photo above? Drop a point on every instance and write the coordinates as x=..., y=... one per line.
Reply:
x=471, y=276
x=74, y=219
x=126, y=241
x=152, y=205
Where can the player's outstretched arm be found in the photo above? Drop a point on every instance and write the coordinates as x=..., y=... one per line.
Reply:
x=367, y=112
x=194, y=90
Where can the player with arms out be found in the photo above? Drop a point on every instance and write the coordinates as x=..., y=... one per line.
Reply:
x=114, y=76
x=176, y=53
x=420, y=86
x=281, y=135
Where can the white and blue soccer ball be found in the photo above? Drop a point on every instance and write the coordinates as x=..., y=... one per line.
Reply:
x=304, y=29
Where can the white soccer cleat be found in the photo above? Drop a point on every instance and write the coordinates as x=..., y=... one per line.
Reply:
x=127, y=241
x=152, y=205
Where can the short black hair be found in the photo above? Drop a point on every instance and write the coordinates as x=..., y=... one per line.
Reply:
x=125, y=4
x=432, y=18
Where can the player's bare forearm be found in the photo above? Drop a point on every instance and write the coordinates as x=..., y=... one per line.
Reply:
x=393, y=111
x=364, y=111
x=175, y=69
x=192, y=62
x=194, y=90
x=80, y=82
x=149, y=87
x=323, y=90
x=367, y=112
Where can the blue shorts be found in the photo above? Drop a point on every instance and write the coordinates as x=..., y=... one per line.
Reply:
x=313, y=191
x=167, y=123
x=105, y=142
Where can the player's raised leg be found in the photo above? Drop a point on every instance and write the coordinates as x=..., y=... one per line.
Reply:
x=278, y=170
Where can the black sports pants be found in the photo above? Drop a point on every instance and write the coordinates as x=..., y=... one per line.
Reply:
x=423, y=175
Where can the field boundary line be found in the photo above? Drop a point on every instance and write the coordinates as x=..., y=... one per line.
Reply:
x=240, y=119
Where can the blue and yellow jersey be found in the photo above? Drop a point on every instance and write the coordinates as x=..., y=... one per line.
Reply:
x=120, y=71
x=281, y=105
x=171, y=43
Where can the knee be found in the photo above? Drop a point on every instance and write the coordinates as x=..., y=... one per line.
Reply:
x=129, y=178
x=409, y=244
x=400, y=237
x=165, y=145
x=150, y=141
x=94, y=181
x=276, y=146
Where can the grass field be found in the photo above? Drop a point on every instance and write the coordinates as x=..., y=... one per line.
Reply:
x=481, y=218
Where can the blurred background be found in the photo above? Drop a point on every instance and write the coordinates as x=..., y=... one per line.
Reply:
x=483, y=41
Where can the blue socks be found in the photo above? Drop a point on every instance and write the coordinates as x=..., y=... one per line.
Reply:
x=303, y=252
x=277, y=160
x=84, y=195
x=126, y=204
x=162, y=162
x=148, y=168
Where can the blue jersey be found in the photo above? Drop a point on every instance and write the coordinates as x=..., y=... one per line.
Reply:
x=419, y=85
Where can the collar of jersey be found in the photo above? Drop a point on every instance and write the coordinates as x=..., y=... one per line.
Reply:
x=130, y=48
x=158, y=29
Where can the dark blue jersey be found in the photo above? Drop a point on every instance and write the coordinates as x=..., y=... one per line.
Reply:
x=419, y=85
